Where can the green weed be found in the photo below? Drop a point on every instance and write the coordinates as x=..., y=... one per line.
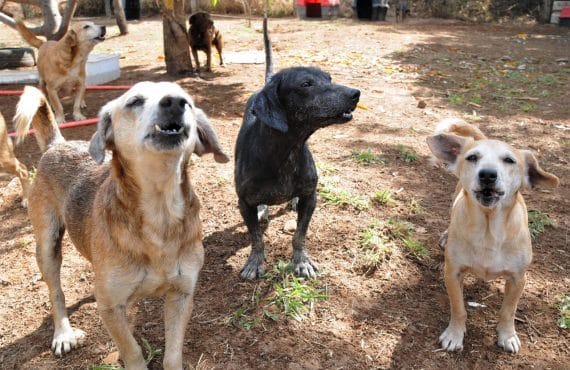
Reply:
x=408, y=155
x=456, y=99
x=366, y=157
x=417, y=248
x=383, y=197
x=564, y=312
x=374, y=247
x=326, y=168
x=527, y=107
x=293, y=296
x=399, y=229
x=241, y=319
x=151, y=352
x=537, y=222
x=415, y=206
x=341, y=197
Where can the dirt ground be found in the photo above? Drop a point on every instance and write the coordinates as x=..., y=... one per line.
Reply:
x=510, y=79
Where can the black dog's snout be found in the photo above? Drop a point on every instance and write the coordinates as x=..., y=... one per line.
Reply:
x=173, y=105
x=103, y=30
x=355, y=96
x=487, y=176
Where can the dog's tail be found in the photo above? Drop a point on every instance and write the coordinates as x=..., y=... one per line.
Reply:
x=460, y=128
x=267, y=44
x=28, y=35
x=34, y=110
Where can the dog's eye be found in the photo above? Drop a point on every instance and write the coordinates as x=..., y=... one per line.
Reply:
x=509, y=160
x=86, y=27
x=472, y=158
x=307, y=84
x=135, y=101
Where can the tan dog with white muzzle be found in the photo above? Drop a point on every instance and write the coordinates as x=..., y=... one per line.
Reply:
x=488, y=235
x=134, y=217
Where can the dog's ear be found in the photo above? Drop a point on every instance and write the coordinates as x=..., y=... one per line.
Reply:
x=447, y=147
x=71, y=38
x=207, y=139
x=102, y=138
x=268, y=109
x=535, y=175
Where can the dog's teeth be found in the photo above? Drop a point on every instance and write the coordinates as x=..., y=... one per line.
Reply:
x=157, y=128
x=179, y=131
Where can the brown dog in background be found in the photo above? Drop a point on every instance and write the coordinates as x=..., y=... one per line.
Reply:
x=488, y=235
x=61, y=64
x=136, y=217
x=10, y=164
x=201, y=36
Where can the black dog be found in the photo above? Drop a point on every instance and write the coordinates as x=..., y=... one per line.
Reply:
x=272, y=161
x=201, y=36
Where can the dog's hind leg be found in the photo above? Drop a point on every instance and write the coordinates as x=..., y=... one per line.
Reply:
x=79, y=103
x=218, y=43
x=56, y=105
x=195, y=55
x=254, y=266
x=302, y=263
x=17, y=168
x=49, y=232
x=507, y=336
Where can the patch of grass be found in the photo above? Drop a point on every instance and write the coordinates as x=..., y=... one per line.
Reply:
x=151, y=352
x=399, y=229
x=241, y=319
x=537, y=222
x=32, y=172
x=417, y=248
x=383, y=197
x=456, y=99
x=408, y=155
x=527, y=107
x=564, y=312
x=341, y=197
x=415, y=206
x=366, y=157
x=294, y=297
x=373, y=247
x=326, y=168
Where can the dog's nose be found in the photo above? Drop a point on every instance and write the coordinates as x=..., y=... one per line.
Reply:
x=355, y=95
x=173, y=104
x=103, y=30
x=487, y=176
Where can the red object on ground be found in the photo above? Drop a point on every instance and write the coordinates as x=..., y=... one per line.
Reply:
x=101, y=87
x=565, y=12
x=84, y=122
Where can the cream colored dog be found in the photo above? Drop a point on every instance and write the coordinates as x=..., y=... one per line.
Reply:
x=134, y=217
x=61, y=64
x=488, y=234
x=10, y=164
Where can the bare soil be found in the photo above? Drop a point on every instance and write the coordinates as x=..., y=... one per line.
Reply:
x=510, y=79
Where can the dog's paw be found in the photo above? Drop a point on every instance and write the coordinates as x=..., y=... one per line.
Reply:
x=303, y=265
x=452, y=339
x=25, y=203
x=510, y=342
x=67, y=339
x=253, y=268
x=59, y=119
x=83, y=105
x=78, y=116
x=443, y=239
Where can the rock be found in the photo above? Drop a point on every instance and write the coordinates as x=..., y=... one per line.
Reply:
x=290, y=226
x=422, y=104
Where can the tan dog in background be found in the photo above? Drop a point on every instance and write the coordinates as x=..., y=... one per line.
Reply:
x=61, y=64
x=488, y=234
x=10, y=164
x=134, y=217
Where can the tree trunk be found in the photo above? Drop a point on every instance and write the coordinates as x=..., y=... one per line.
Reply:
x=174, y=34
x=52, y=18
x=108, y=11
x=120, y=17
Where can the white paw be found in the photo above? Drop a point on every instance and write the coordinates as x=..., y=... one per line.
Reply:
x=83, y=105
x=262, y=213
x=452, y=339
x=67, y=339
x=59, y=119
x=78, y=116
x=510, y=342
x=25, y=202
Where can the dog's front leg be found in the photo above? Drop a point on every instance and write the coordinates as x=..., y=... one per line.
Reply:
x=507, y=336
x=452, y=338
x=302, y=263
x=56, y=105
x=209, y=58
x=177, y=311
x=79, y=102
x=115, y=319
x=195, y=55
x=254, y=266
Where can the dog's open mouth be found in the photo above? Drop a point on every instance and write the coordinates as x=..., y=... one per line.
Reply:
x=168, y=135
x=346, y=115
x=488, y=196
x=100, y=38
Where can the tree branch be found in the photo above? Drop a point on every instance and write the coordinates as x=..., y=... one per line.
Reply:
x=70, y=8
